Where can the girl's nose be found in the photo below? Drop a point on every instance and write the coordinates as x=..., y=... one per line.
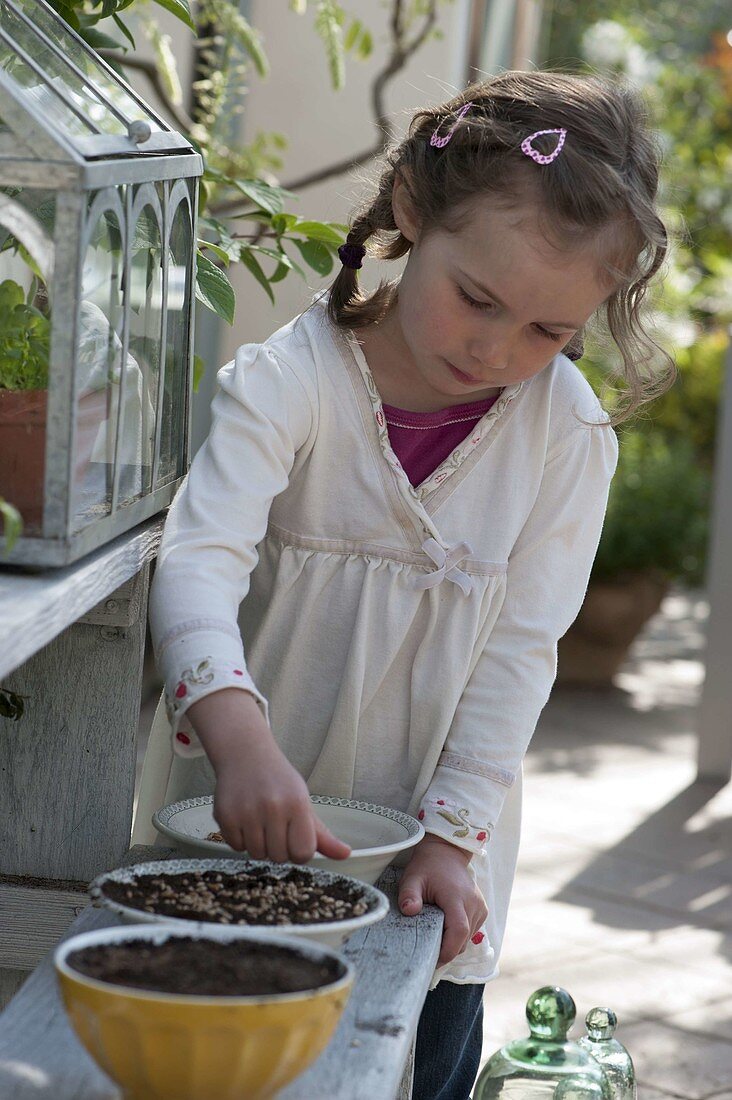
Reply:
x=490, y=356
x=491, y=345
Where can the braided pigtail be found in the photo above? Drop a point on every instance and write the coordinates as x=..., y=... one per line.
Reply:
x=348, y=305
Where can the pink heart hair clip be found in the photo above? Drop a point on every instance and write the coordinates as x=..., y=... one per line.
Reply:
x=528, y=149
x=441, y=142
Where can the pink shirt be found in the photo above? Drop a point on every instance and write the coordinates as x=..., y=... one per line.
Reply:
x=421, y=441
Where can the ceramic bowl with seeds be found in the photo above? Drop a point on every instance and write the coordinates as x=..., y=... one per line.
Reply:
x=377, y=835
x=274, y=898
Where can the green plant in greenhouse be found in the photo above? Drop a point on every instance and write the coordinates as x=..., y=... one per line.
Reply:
x=24, y=341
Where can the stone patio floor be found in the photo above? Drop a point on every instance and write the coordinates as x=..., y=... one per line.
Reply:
x=624, y=887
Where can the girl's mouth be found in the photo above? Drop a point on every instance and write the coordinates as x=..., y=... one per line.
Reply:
x=466, y=379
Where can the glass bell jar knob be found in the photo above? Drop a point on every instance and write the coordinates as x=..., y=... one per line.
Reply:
x=139, y=131
x=546, y=1065
x=609, y=1053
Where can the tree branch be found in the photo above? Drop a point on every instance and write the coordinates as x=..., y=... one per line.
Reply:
x=129, y=61
x=400, y=54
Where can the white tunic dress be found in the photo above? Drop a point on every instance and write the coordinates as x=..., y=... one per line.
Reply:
x=401, y=641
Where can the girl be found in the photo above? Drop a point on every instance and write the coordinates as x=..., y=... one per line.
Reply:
x=361, y=584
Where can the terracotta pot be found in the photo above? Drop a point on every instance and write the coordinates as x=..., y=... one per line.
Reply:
x=23, y=446
x=22, y=452
x=612, y=615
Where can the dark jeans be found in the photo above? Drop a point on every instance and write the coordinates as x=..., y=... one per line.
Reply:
x=449, y=1042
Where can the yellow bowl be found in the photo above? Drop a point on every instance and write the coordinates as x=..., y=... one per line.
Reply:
x=169, y=1046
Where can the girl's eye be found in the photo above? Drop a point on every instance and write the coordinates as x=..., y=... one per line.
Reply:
x=551, y=335
x=557, y=337
x=473, y=301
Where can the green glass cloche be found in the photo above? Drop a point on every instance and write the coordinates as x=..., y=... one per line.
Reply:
x=612, y=1055
x=546, y=1065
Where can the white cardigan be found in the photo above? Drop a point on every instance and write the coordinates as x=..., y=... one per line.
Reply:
x=401, y=641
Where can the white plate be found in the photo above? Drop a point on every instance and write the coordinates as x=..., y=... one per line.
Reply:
x=376, y=834
x=332, y=933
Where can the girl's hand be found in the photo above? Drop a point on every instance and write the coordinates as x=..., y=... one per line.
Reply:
x=261, y=803
x=438, y=873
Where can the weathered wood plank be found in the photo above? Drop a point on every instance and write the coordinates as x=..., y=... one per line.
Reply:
x=372, y=1046
x=67, y=783
x=41, y=1059
x=32, y=920
x=35, y=608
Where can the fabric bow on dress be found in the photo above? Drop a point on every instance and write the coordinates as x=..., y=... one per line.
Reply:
x=447, y=562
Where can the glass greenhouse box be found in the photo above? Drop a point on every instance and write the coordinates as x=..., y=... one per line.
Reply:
x=97, y=283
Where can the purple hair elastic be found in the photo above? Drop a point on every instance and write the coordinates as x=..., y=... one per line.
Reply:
x=351, y=255
x=441, y=142
x=528, y=149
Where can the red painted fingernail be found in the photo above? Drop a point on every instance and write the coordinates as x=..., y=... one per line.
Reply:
x=477, y=938
x=183, y=738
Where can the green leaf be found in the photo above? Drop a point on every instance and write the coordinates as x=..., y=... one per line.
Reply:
x=283, y=223
x=125, y=31
x=250, y=41
x=299, y=6
x=295, y=267
x=213, y=289
x=181, y=10
x=328, y=18
x=352, y=34
x=252, y=263
x=263, y=195
x=319, y=231
x=316, y=255
x=199, y=368
x=12, y=523
x=365, y=46
x=281, y=271
x=99, y=41
x=217, y=251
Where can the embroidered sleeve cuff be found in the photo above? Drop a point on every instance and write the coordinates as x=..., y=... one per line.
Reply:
x=202, y=679
x=464, y=800
x=196, y=660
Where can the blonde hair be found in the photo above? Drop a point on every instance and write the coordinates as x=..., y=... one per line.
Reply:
x=605, y=179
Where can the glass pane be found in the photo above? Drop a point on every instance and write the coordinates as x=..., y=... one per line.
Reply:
x=56, y=31
x=143, y=363
x=172, y=431
x=56, y=73
x=25, y=340
x=99, y=363
x=49, y=104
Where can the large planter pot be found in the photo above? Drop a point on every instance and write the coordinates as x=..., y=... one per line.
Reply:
x=22, y=452
x=23, y=416
x=612, y=615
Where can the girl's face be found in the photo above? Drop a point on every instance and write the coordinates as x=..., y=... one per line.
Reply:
x=487, y=306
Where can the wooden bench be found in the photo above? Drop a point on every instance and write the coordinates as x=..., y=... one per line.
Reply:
x=368, y=1058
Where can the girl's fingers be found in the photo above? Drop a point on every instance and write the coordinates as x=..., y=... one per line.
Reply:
x=455, y=935
x=411, y=889
x=234, y=838
x=256, y=845
x=328, y=844
x=301, y=839
x=275, y=834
